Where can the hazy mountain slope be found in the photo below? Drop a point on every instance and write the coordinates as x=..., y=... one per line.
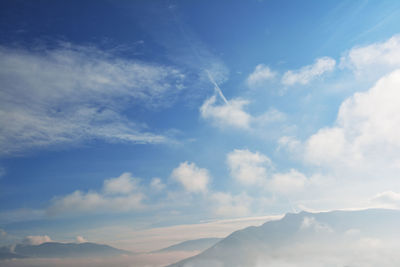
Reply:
x=298, y=237
x=191, y=245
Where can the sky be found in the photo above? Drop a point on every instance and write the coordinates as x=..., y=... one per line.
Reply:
x=126, y=119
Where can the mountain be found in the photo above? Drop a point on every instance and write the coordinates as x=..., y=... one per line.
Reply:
x=191, y=245
x=61, y=250
x=337, y=238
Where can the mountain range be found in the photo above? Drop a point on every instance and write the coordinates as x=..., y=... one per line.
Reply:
x=336, y=238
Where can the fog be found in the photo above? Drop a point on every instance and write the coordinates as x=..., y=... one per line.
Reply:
x=141, y=260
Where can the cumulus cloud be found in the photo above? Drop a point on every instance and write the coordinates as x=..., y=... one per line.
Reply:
x=249, y=168
x=261, y=74
x=226, y=114
x=112, y=198
x=254, y=169
x=191, y=177
x=76, y=93
x=36, y=239
x=123, y=184
x=232, y=113
x=377, y=57
x=308, y=73
x=367, y=130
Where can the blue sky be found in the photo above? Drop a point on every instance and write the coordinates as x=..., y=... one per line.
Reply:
x=136, y=115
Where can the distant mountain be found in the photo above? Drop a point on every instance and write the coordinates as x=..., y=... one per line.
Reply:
x=191, y=245
x=337, y=238
x=61, y=250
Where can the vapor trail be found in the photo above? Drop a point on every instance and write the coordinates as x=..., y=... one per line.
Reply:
x=196, y=54
x=216, y=87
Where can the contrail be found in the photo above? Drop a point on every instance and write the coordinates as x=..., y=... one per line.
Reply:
x=216, y=87
x=196, y=53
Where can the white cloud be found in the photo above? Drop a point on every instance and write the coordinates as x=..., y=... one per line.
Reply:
x=261, y=74
x=367, y=130
x=374, y=58
x=226, y=114
x=193, y=178
x=36, y=239
x=76, y=93
x=156, y=184
x=79, y=239
x=307, y=73
x=113, y=198
x=311, y=223
x=233, y=114
x=286, y=183
x=247, y=167
x=388, y=198
x=93, y=202
x=123, y=184
x=228, y=205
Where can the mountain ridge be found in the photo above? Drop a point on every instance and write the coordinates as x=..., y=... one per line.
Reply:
x=242, y=247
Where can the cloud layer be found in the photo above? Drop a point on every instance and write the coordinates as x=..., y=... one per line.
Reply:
x=76, y=93
x=120, y=194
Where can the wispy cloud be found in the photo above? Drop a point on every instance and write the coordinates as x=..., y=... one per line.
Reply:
x=260, y=75
x=77, y=93
x=307, y=73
